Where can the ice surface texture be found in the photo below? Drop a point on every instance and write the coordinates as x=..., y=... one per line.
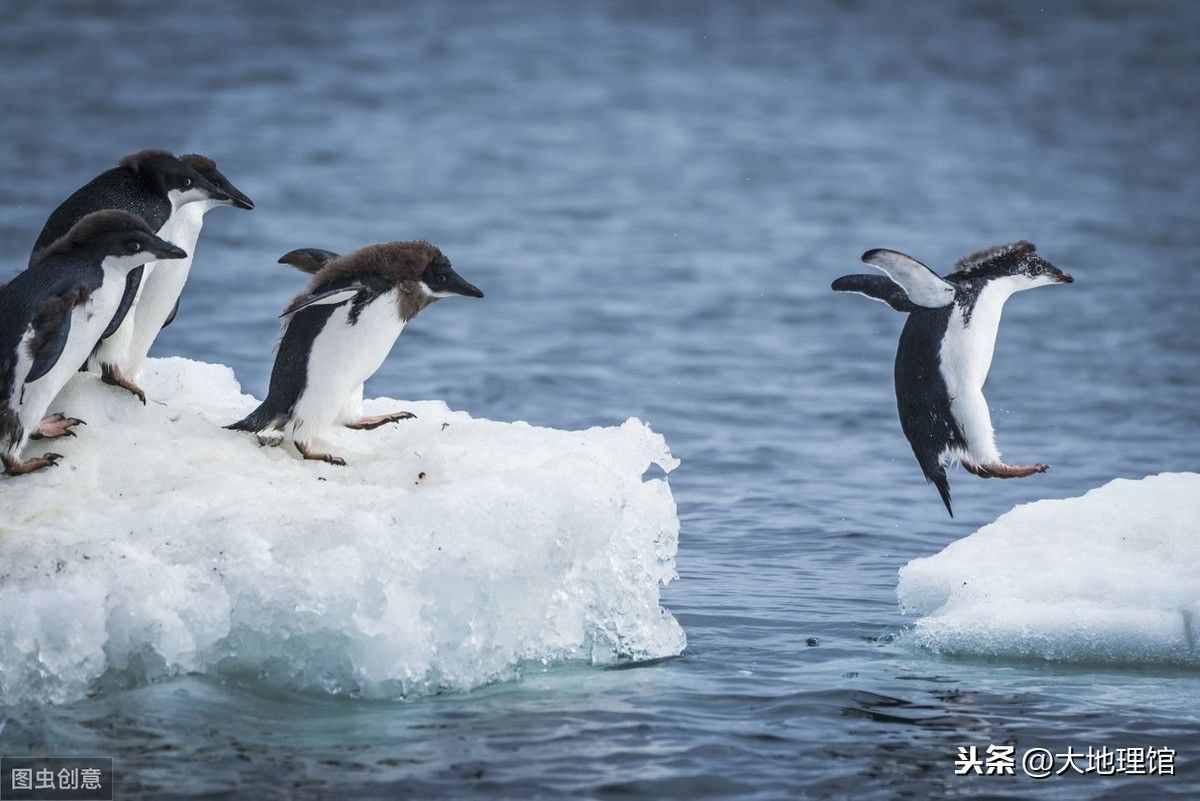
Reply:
x=1111, y=577
x=164, y=544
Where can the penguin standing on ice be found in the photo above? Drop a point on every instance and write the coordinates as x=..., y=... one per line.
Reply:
x=154, y=185
x=54, y=313
x=338, y=332
x=946, y=350
x=158, y=302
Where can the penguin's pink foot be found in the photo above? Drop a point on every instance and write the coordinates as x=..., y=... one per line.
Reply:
x=1005, y=470
x=320, y=457
x=112, y=375
x=55, y=426
x=372, y=423
x=15, y=467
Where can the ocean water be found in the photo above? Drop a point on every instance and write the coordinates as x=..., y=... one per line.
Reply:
x=655, y=199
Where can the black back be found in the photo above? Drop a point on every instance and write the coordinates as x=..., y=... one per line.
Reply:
x=921, y=395
x=119, y=188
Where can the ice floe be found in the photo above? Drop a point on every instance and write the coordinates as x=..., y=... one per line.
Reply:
x=451, y=552
x=1109, y=577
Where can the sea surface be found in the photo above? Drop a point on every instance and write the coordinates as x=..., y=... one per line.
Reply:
x=655, y=197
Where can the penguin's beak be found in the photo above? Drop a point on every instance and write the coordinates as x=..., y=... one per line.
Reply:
x=165, y=250
x=1064, y=278
x=237, y=197
x=460, y=286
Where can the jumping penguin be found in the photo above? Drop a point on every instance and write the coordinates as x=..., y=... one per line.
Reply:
x=158, y=302
x=337, y=333
x=154, y=185
x=946, y=350
x=53, y=314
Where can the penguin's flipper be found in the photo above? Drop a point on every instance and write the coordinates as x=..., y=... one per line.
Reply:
x=132, y=282
x=922, y=285
x=332, y=297
x=876, y=287
x=307, y=260
x=51, y=329
x=171, y=317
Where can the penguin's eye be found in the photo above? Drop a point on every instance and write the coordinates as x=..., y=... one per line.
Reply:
x=187, y=182
x=441, y=279
x=133, y=246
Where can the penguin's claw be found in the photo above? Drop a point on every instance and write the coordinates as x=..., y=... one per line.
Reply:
x=372, y=423
x=1006, y=470
x=55, y=426
x=314, y=456
x=14, y=467
x=114, y=377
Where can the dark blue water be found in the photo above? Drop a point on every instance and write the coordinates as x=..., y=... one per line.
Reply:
x=655, y=199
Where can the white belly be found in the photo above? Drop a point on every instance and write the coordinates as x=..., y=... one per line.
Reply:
x=117, y=349
x=88, y=321
x=162, y=286
x=342, y=358
x=967, y=351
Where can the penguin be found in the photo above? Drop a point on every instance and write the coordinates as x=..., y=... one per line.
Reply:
x=337, y=333
x=53, y=314
x=154, y=185
x=946, y=350
x=161, y=287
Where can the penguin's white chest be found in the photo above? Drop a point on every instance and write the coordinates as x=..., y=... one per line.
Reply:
x=356, y=350
x=970, y=341
x=344, y=355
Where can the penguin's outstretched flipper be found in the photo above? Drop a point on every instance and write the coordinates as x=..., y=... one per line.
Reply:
x=922, y=285
x=876, y=287
x=332, y=297
x=307, y=260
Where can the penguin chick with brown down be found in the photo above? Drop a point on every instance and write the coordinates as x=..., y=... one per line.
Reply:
x=337, y=333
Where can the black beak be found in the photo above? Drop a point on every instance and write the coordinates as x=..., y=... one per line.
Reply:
x=165, y=250
x=459, y=286
x=1065, y=278
x=237, y=197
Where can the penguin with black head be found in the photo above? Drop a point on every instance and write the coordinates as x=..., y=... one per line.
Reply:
x=158, y=302
x=946, y=350
x=53, y=314
x=153, y=185
x=338, y=332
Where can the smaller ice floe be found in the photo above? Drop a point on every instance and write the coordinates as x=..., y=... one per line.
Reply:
x=448, y=554
x=1110, y=577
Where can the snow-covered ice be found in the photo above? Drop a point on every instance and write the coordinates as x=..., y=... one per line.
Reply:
x=1110, y=577
x=451, y=552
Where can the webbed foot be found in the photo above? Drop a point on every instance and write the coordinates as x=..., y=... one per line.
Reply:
x=56, y=425
x=112, y=375
x=15, y=467
x=372, y=423
x=1005, y=470
x=320, y=457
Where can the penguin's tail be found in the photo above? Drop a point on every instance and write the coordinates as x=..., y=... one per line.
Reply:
x=260, y=419
x=939, y=479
